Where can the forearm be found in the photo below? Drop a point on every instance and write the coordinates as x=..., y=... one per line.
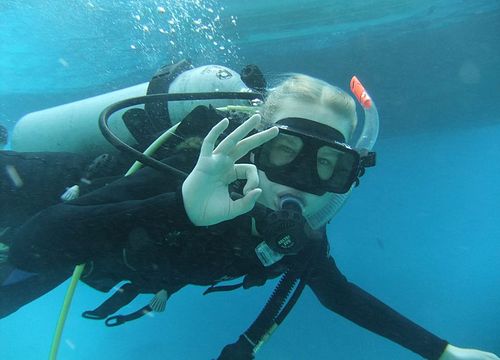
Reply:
x=353, y=303
x=368, y=312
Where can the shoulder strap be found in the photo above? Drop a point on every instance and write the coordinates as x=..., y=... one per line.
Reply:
x=160, y=83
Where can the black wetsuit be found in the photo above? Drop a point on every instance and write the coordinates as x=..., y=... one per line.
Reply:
x=31, y=181
x=136, y=229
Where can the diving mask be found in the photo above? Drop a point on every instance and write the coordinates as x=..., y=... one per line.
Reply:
x=311, y=157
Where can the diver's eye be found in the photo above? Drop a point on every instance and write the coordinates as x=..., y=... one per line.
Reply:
x=325, y=167
x=287, y=149
x=284, y=149
x=282, y=154
x=325, y=162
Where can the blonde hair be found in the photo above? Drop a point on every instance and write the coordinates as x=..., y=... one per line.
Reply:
x=307, y=89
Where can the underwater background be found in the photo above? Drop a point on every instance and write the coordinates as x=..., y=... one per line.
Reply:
x=422, y=232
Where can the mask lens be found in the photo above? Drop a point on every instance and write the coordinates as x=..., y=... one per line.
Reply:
x=335, y=167
x=281, y=151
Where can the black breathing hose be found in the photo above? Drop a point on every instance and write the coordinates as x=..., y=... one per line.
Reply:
x=291, y=302
x=275, y=309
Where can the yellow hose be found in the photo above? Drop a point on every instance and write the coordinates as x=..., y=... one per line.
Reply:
x=153, y=148
x=56, y=341
x=64, y=311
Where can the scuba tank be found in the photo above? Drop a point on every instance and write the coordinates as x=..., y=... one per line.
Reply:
x=73, y=127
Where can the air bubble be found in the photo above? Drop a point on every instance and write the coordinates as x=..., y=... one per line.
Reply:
x=63, y=62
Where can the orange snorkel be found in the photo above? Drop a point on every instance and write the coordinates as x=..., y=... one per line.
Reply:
x=369, y=133
x=359, y=91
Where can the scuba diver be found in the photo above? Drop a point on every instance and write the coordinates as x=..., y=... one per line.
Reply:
x=254, y=205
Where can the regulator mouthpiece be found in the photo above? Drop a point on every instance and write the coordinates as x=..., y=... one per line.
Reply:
x=291, y=202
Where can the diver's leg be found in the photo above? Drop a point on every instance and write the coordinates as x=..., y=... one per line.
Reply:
x=18, y=288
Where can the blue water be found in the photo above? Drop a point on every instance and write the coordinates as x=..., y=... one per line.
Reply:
x=421, y=232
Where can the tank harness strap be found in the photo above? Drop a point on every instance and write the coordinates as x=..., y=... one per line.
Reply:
x=144, y=125
x=160, y=83
x=215, y=288
x=123, y=296
x=157, y=304
x=122, y=319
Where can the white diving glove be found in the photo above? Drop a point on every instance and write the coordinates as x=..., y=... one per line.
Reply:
x=455, y=353
x=205, y=190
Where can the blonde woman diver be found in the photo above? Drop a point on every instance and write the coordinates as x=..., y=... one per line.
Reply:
x=162, y=233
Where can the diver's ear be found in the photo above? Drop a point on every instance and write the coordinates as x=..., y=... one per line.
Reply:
x=252, y=157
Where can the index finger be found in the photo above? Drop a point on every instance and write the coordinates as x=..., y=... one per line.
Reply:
x=208, y=143
x=237, y=134
x=254, y=141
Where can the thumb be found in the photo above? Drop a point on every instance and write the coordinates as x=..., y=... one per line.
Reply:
x=246, y=203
